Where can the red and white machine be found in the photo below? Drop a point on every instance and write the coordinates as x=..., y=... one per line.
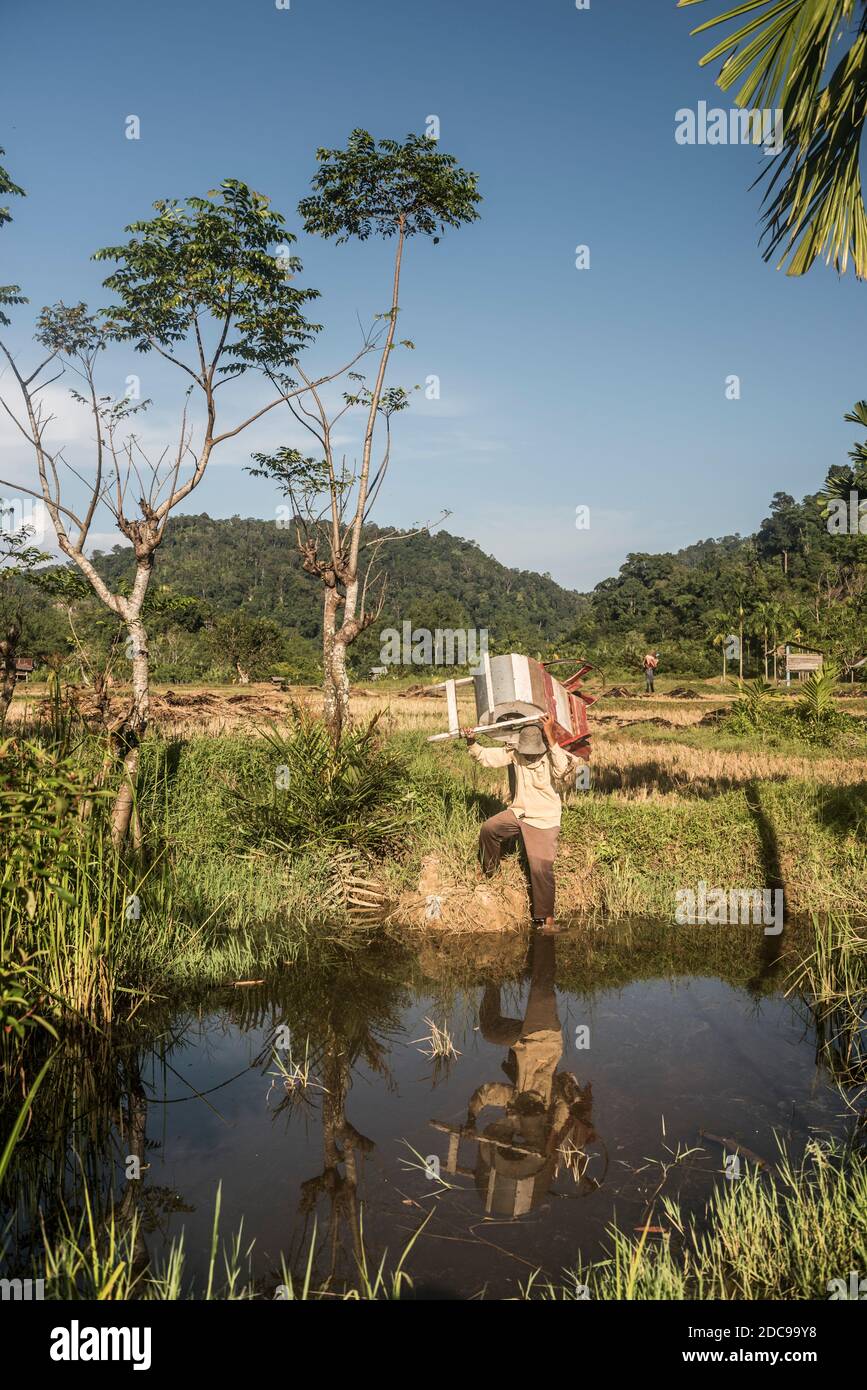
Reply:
x=515, y=690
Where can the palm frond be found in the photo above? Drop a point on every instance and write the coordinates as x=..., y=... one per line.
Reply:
x=783, y=57
x=817, y=693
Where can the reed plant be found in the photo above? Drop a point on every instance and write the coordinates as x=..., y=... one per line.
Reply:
x=832, y=976
x=756, y=1239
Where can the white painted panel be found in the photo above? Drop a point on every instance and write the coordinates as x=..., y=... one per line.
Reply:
x=452, y=702
x=561, y=704
x=523, y=684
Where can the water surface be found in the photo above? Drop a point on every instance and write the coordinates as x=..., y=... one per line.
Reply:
x=585, y=1063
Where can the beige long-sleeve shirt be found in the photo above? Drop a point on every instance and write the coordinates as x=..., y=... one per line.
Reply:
x=536, y=798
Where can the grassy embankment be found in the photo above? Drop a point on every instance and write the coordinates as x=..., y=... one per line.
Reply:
x=666, y=807
x=240, y=874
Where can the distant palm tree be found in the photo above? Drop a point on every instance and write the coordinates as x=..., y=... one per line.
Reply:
x=718, y=625
x=766, y=622
x=842, y=478
x=808, y=58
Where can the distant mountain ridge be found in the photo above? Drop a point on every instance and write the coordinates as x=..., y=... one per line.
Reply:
x=437, y=580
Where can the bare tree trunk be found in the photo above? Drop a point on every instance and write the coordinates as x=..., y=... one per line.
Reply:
x=341, y=1144
x=354, y=622
x=330, y=702
x=8, y=654
x=128, y=734
x=340, y=688
x=134, y=1129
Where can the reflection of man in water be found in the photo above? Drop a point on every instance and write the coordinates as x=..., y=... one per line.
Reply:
x=544, y=1111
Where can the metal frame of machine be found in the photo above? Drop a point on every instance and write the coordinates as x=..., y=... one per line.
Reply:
x=514, y=690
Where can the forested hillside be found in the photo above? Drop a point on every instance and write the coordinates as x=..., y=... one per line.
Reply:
x=436, y=580
x=793, y=580
x=233, y=591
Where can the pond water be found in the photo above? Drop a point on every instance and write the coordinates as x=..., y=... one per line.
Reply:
x=584, y=1063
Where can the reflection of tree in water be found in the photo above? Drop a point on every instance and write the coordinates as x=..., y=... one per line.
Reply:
x=73, y=1166
x=133, y=1119
x=545, y=1122
x=341, y=1013
x=143, y=1206
x=344, y=1149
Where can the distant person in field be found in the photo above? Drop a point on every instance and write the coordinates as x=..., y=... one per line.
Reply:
x=535, y=765
x=650, y=664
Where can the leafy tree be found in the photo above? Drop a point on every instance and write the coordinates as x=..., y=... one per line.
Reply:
x=18, y=559
x=389, y=190
x=718, y=628
x=781, y=533
x=200, y=285
x=767, y=622
x=248, y=646
x=9, y=294
x=845, y=479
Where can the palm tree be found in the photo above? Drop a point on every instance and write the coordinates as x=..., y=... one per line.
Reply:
x=843, y=479
x=738, y=605
x=718, y=625
x=765, y=622
x=809, y=59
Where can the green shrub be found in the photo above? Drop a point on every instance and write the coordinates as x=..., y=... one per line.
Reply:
x=814, y=718
x=355, y=794
x=756, y=711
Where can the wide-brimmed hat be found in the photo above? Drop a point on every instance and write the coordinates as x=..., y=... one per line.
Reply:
x=530, y=740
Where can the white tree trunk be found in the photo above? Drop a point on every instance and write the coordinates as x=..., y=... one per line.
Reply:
x=331, y=705
x=8, y=670
x=129, y=733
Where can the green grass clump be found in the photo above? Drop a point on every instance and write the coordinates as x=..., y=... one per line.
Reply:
x=354, y=794
x=757, y=1239
x=70, y=908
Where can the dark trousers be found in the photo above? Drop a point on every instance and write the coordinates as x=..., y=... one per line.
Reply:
x=540, y=847
x=648, y=677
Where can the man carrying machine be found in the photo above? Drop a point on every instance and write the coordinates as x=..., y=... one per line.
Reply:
x=534, y=811
x=543, y=724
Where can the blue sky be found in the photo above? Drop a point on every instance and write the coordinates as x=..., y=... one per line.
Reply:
x=603, y=387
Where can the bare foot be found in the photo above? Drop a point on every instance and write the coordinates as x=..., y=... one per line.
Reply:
x=549, y=927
